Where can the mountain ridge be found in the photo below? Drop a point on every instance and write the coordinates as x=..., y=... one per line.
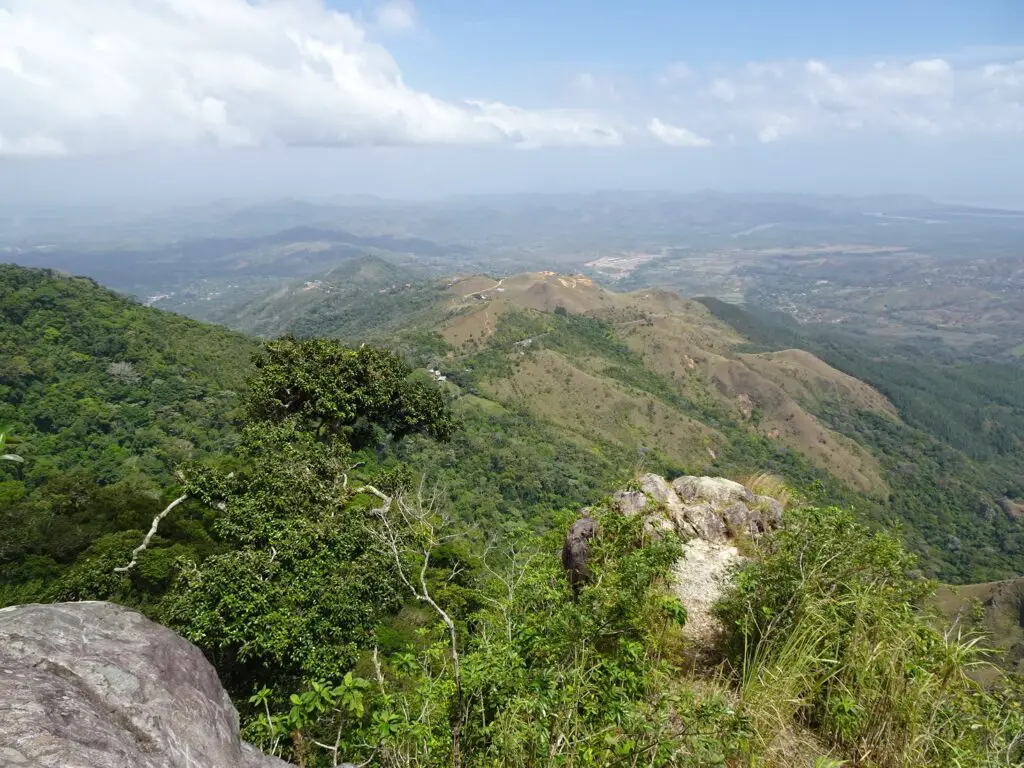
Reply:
x=693, y=379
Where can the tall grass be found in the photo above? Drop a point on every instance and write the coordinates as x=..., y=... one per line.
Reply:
x=767, y=484
x=829, y=640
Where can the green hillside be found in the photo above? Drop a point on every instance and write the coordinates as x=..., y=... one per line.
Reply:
x=712, y=388
x=956, y=458
x=359, y=295
x=102, y=398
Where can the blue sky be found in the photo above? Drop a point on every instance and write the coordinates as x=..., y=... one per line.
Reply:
x=647, y=35
x=201, y=98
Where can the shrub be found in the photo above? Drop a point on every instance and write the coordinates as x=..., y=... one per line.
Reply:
x=827, y=634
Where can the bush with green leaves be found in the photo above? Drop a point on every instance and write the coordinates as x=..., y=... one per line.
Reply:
x=297, y=589
x=542, y=681
x=352, y=394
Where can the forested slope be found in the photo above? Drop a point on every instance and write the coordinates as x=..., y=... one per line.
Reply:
x=906, y=437
x=955, y=459
x=102, y=398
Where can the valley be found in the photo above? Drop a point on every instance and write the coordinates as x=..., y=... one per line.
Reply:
x=401, y=384
x=705, y=387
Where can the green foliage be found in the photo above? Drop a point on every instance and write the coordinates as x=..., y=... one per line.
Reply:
x=827, y=634
x=276, y=568
x=343, y=392
x=105, y=398
x=545, y=681
x=506, y=466
x=297, y=591
x=944, y=500
x=369, y=313
x=947, y=466
x=343, y=702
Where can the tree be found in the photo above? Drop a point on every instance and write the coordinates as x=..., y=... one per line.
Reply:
x=298, y=589
x=341, y=392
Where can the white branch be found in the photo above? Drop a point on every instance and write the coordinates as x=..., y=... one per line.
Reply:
x=416, y=518
x=152, y=532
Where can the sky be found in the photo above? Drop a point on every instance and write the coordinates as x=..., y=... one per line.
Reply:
x=188, y=100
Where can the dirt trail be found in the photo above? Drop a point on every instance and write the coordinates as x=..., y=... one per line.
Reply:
x=494, y=287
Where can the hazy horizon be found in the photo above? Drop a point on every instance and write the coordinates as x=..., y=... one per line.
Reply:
x=161, y=102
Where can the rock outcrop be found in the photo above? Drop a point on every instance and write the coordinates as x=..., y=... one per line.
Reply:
x=712, y=513
x=97, y=685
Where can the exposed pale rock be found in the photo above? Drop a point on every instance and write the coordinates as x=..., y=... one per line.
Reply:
x=630, y=503
x=736, y=516
x=710, y=512
x=716, y=490
x=97, y=685
x=658, y=488
x=707, y=521
x=698, y=579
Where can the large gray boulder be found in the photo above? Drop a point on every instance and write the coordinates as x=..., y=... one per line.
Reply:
x=97, y=685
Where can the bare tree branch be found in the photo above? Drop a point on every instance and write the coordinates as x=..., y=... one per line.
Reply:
x=416, y=522
x=149, y=536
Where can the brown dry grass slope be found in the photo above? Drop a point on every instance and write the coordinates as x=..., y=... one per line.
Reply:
x=594, y=408
x=771, y=409
x=680, y=340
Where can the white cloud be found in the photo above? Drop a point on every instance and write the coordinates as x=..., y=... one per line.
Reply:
x=101, y=76
x=934, y=97
x=395, y=16
x=114, y=75
x=675, y=136
x=722, y=90
x=531, y=129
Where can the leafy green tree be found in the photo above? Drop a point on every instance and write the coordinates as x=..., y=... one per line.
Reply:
x=342, y=392
x=299, y=589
